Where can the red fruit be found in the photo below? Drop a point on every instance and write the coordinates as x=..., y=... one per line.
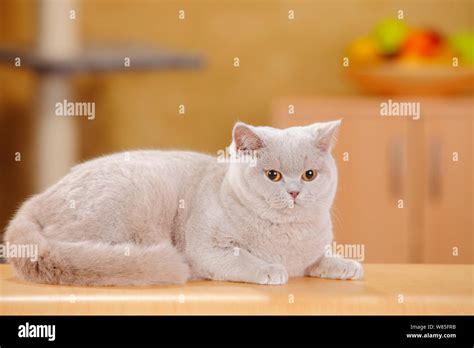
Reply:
x=426, y=43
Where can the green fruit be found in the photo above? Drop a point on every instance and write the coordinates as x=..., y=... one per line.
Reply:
x=390, y=35
x=463, y=44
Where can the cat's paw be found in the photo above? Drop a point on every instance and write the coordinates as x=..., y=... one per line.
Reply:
x=273, y=274
x=338, y=268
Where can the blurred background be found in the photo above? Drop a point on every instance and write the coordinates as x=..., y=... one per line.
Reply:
x=179, y=74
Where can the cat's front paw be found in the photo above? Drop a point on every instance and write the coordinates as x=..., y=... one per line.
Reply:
x=273, y=274
x=338, y=268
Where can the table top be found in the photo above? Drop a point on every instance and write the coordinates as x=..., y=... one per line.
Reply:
x=386, y=289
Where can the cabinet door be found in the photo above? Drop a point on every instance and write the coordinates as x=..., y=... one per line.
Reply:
x=373, y=200
x=448, y=188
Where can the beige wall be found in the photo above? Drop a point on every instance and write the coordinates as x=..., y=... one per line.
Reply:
x=278, y=57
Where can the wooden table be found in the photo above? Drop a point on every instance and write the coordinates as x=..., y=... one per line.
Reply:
x=387, y=289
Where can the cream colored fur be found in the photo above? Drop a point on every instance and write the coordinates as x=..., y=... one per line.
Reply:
x=153, y=217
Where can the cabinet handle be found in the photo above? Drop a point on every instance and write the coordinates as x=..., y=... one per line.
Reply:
x=434, y=169
x=396, y=167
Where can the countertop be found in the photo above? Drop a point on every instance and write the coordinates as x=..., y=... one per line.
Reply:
x=386, y=289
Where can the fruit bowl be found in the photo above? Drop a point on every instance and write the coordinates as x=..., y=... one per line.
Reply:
x=398, y=59
x=396, y=78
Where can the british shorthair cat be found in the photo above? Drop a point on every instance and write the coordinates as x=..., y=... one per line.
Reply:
x=156, y=217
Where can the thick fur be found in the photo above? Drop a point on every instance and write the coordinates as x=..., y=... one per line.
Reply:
x=154, y=217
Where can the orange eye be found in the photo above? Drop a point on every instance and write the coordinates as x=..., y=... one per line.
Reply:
x=309, y=175
x=273, y=175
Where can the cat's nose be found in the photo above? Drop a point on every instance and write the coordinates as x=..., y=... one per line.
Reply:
x=294, y=194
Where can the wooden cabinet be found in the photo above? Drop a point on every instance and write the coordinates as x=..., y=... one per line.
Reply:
x=447, y=191
x=402, y=192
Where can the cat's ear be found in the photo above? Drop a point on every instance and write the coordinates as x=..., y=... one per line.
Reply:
x=325, y=134
x=245, y=138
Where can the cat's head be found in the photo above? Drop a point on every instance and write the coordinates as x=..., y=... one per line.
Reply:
x=285, y=174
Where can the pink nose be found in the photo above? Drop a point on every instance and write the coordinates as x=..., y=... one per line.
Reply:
x=294, y=194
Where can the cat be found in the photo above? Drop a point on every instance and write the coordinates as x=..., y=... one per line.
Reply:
x=162, y=217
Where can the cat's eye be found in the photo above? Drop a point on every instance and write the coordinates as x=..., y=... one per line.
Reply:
x=273, y=175
x=309, y=175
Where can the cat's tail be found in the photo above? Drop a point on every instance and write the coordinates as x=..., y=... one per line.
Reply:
x=88, y=263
